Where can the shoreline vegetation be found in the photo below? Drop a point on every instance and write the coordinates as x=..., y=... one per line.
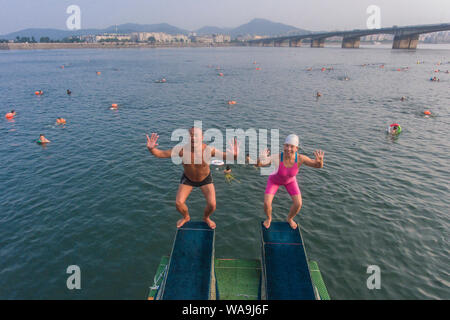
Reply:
x=110, y=45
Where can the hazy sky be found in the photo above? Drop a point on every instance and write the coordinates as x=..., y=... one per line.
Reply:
x=315, y=15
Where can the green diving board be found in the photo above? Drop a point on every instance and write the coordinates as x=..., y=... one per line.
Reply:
x=190, y=272
x=286, y=273
x=238, y=279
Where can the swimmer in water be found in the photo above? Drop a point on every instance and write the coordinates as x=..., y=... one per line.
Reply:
x=247, y=158
x=287, y=163
x=403, y=98
x=228, y=176
x=196, y=157
x=318, y=94
x=69, y=92
x=42, y=139
x=11, y=115
x=394, y=129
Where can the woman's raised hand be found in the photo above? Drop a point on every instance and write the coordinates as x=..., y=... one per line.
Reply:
x=319, y=155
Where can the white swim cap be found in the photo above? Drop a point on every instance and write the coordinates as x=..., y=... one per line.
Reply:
x=292, y=139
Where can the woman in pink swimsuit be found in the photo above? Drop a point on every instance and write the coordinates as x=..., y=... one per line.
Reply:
x=288, y=163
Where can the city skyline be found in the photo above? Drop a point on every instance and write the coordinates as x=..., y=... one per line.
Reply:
x=192, y=15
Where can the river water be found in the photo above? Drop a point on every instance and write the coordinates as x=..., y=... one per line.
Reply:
x=95, y=197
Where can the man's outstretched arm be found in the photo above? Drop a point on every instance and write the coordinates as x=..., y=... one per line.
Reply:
x=151, y=146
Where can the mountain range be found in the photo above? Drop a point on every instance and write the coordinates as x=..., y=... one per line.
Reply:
x=254, y=27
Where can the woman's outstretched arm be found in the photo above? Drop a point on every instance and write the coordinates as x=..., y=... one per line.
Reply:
x=317, y=163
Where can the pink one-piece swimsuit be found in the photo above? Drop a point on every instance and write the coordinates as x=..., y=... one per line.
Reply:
x=284, y=177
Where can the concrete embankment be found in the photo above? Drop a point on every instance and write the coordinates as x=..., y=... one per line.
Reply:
x=107, y=45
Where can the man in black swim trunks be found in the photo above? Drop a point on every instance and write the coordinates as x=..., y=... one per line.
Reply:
x=196, y=173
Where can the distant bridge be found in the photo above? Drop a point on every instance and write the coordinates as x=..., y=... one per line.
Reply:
x=404, y=37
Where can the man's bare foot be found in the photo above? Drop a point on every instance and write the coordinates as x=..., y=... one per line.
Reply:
x=292, y=223
x=183, y=221
x=267, y=223
x=210, y=223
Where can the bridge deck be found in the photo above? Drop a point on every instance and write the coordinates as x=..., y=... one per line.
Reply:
x=405, y=30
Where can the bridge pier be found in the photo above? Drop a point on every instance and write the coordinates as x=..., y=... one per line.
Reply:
x=351, y=42
x=405, y=41
x=295, y=43
x=281, y=43
x=318, y=43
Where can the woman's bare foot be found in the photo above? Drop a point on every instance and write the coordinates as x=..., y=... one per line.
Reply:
x=267, y=223
x=210, y=223
x=183, y=221
x=292, y=223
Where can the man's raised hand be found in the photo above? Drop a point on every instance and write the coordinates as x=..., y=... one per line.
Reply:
x=233, y=147
x=151, y=142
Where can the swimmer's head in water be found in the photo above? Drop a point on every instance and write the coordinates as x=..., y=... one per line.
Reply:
x=196, y=135
x=228, y=168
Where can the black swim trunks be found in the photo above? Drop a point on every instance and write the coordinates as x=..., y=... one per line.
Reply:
x=187, y=181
